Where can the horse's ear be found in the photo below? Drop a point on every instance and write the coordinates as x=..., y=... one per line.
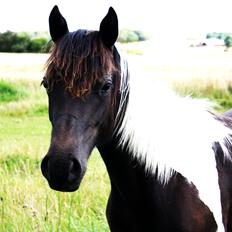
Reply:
x=57, y=24
x=109, y=28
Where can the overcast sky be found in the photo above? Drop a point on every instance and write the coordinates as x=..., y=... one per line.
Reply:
x=159, y=17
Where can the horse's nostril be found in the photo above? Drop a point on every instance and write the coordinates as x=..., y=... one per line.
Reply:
x=74, y=169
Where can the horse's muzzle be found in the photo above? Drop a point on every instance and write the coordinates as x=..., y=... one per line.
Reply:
x=62, y=171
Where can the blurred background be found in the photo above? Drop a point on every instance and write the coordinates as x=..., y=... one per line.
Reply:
x=186, y=43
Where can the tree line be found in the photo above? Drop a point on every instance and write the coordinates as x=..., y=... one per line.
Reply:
x=24, y=42
x=227, y=37
x=41, y=43
x=127, y=36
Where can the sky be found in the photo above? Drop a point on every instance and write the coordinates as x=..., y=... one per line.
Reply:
x=160, y=18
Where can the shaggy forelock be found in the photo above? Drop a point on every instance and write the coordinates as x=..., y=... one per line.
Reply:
x=80, y=59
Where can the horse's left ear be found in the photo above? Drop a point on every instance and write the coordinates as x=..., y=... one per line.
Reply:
x=57, y=24
x=109, y=28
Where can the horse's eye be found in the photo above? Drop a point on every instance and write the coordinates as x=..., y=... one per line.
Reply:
x=106, y=87
x=44, y=83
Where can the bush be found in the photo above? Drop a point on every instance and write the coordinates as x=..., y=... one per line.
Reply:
x=7, y=39
x=142, y=35
x=228, y=41
x=37, y=45
x=127, y=36
x=23, y=42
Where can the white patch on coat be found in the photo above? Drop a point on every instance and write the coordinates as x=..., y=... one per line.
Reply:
x=177, y=133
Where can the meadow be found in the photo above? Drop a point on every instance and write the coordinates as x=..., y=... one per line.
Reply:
x=26, y=201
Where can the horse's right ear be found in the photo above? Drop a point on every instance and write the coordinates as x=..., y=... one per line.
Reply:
x=57, y=24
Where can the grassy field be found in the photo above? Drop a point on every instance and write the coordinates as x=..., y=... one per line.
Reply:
x=26, y=201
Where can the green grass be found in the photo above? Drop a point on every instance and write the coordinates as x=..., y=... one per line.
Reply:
x=10, y=92
x=26, y=201
x=219, y=93
x=27, y=99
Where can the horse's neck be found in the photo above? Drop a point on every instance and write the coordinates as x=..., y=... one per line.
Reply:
x=126, y=174
x=142, y=196
x=118, y=162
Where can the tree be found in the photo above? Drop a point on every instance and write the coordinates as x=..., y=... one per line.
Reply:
x=127, y=36
x=37, y=45
x=142, y=36
x=228, y=41
x=6, y=40
x=21, y=44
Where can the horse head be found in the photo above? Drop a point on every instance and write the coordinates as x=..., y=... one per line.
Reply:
x=82, y=82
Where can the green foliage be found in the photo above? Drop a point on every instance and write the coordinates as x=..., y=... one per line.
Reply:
x=23, y=42
x=127, y=36
x=9, y=92
x=7, y=39
x=227, y=37
x=142, y=36
x=228, y=41
x=217, y=35
x=39, y=45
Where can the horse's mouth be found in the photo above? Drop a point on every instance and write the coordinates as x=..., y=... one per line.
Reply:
x=65, y=188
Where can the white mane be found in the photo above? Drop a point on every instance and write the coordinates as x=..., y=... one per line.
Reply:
x=177, y=133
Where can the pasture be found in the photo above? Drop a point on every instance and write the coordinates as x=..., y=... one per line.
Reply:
x=26, y=201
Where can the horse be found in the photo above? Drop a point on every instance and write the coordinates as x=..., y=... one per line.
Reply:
x=168, y=157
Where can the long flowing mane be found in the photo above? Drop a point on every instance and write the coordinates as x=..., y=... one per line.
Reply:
x=171, y=133
x=80, y=59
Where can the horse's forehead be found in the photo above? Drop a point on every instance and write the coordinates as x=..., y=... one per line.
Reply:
x=81, y=35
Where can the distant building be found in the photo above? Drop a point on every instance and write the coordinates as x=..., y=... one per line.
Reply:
x=211, y=42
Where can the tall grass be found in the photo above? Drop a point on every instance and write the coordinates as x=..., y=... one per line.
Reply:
x=217, y=91
x=26, y=201
x=9, y=92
